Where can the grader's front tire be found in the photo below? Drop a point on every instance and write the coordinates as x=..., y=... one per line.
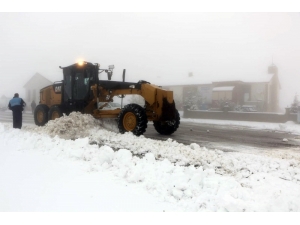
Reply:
x=167, y=127
x=41, y=115
x=54, y=113
x=132, y=118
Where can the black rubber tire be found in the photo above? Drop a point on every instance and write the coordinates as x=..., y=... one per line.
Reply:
x=54, y=112
x=41, y=115
x=138, y=114
x=167, y=127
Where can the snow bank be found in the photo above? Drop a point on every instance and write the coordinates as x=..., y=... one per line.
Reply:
x=193, y=177
x=78, y=125
x=289, y=126
x=74, y=126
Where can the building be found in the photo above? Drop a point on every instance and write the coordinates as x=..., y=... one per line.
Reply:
x=261, y=92
x=4, y=102
x=33, y=86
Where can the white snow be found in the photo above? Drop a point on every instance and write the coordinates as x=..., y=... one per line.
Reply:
x=74, y=164
x=290, y=126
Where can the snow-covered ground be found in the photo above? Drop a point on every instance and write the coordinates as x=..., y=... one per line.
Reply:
x=72, y=164
x=289, y=126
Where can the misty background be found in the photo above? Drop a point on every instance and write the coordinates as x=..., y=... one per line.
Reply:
x=162, y=48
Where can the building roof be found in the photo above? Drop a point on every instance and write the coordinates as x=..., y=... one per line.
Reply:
x=3, y=97
x=37, y=80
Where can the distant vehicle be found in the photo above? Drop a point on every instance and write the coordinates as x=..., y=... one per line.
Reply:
x=248, y=108
x=110, y=105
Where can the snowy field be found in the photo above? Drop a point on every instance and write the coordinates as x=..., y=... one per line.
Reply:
x=74, y=165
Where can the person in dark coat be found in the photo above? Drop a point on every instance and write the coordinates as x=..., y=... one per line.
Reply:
x=33, y=105
x=17, y=105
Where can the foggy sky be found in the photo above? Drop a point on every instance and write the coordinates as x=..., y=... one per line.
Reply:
x=151, y=46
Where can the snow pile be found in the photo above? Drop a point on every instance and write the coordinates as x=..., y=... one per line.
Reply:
x=192, y=177
x=289, y=126
x=109, y=124
x=236, y=164
x=240, y=165
x=74, y=126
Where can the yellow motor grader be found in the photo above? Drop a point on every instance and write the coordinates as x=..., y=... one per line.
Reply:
x=81, y=90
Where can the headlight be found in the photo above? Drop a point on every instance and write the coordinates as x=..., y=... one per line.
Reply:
x=80, y=63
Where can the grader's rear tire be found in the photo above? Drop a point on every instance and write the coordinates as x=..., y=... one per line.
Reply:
x=54, y=113
x=41, y=115
x=132, y=118
x=167, y=127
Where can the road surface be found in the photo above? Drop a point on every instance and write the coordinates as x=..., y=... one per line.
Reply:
x=228, y=137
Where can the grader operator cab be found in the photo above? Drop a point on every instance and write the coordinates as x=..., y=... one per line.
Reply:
x=81, y=90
